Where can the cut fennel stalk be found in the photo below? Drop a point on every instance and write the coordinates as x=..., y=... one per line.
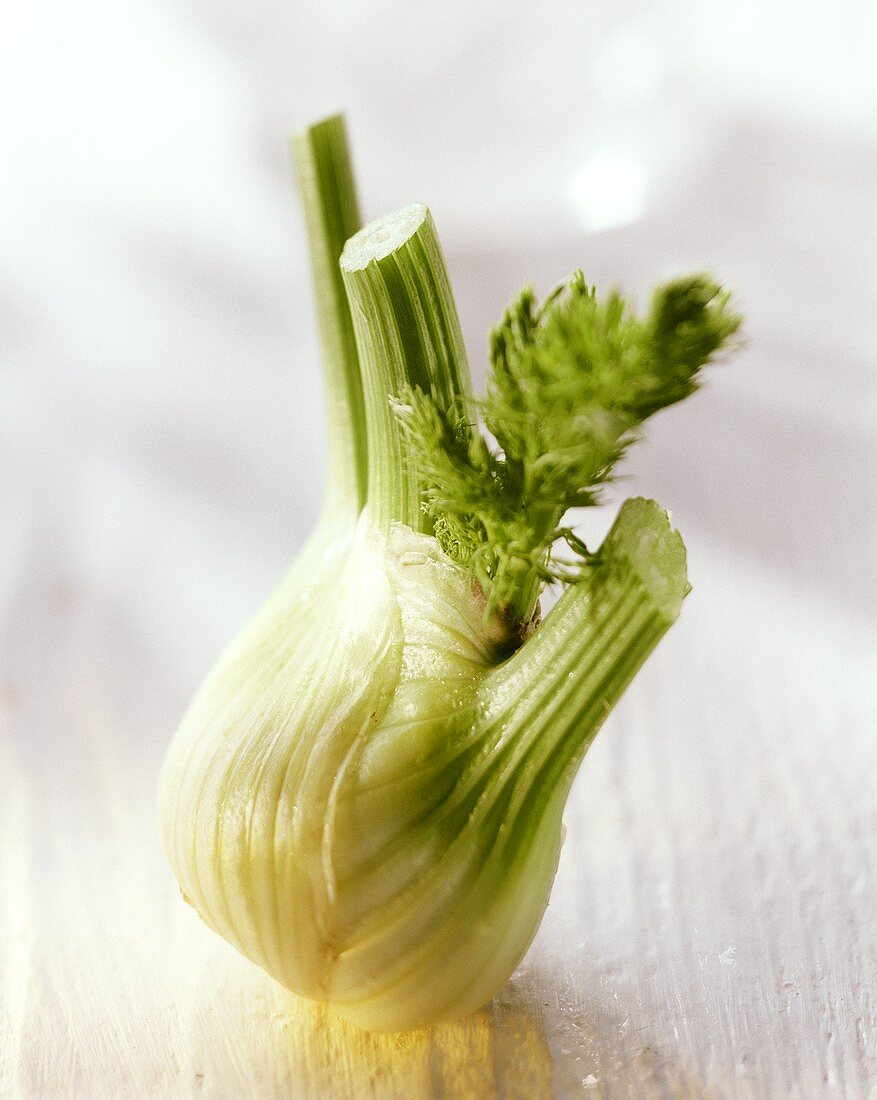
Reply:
x=365, y=796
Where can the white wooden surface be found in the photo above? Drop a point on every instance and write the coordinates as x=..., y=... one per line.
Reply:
x=713, y=930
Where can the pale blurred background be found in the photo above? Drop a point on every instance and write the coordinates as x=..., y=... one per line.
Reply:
x=162, y=459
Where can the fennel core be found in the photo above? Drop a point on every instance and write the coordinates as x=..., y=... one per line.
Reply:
x=365, y=796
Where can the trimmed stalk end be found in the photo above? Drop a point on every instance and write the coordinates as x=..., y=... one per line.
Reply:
x=642, y=533
x=379, y=238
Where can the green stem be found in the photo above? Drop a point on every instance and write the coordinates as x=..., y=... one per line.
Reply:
x=407, y=334
x=555, y=692
x=328, y=193
x=527, y=585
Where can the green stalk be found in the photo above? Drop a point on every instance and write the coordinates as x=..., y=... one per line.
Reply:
x=408, y=334
x=328, y=193
x=555, y=692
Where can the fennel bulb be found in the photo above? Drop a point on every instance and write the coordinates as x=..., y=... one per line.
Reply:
x=365, y=796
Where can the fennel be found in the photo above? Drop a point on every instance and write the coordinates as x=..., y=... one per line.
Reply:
x=365, y=796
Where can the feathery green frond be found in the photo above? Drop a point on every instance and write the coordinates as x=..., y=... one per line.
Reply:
x=572, y=381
